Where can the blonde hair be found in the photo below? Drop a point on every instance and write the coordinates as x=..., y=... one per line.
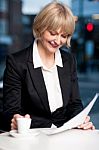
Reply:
x=53, y=16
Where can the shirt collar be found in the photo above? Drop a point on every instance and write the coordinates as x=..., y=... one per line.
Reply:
x=37, y=60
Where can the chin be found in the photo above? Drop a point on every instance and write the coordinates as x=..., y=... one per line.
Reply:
x=52, y=50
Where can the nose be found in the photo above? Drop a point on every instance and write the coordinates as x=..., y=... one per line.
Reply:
x=58, y=40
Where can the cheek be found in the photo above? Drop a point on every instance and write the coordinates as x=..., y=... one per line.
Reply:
x=64, y=41
x=45, y=38
x=44, y=41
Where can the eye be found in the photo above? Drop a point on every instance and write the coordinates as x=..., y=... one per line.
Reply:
x=64, y=35
x=52, y=32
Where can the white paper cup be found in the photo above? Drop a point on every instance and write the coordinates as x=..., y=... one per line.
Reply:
x=23, y=125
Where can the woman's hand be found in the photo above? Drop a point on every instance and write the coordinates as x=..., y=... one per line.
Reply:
x=14, y=120
x=87, y=124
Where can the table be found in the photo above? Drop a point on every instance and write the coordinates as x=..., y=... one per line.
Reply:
x=74, y=139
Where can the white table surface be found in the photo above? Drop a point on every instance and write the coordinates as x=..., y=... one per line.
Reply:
x=71, y=140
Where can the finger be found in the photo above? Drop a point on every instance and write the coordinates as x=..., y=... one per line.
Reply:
x=17, y=116
x=13, y=124
x=86, y=126
x=27, y=116
x=13, y=121
x=93, y=127
x=87, y=119
x=83, y=125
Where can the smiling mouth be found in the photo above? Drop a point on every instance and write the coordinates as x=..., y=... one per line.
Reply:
x=53, y=44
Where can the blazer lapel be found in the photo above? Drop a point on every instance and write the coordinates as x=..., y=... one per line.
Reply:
x=64, y=78
x=38, y=81
x=63, y=83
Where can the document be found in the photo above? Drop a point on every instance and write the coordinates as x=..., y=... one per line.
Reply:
x=74, y=122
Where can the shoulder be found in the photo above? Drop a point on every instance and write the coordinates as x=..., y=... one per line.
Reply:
x=17, y=62
x=22, y=55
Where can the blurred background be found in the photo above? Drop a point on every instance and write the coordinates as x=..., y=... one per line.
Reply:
x=16, y=18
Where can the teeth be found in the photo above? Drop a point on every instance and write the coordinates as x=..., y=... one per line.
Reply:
x=52, y=42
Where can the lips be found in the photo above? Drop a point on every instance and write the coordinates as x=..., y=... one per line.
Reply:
x=53, y=44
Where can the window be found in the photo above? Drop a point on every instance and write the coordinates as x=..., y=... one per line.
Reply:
x=3, y=6
x=3, y=26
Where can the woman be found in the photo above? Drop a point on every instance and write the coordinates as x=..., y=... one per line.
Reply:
x=41, y=81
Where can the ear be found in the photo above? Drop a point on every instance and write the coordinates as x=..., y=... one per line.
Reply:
x=75, y=18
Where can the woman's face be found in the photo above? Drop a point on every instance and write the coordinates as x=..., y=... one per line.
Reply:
x=50, y=40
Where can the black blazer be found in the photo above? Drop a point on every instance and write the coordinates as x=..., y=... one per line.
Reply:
x=25, y=91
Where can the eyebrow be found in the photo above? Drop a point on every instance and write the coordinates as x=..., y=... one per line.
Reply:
x=54, y=31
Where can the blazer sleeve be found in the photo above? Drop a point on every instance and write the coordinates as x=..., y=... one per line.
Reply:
x=11, y=90
x=12, y=95
x=75, y=104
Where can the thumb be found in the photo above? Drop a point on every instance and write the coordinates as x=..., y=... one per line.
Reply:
x=27, y=116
